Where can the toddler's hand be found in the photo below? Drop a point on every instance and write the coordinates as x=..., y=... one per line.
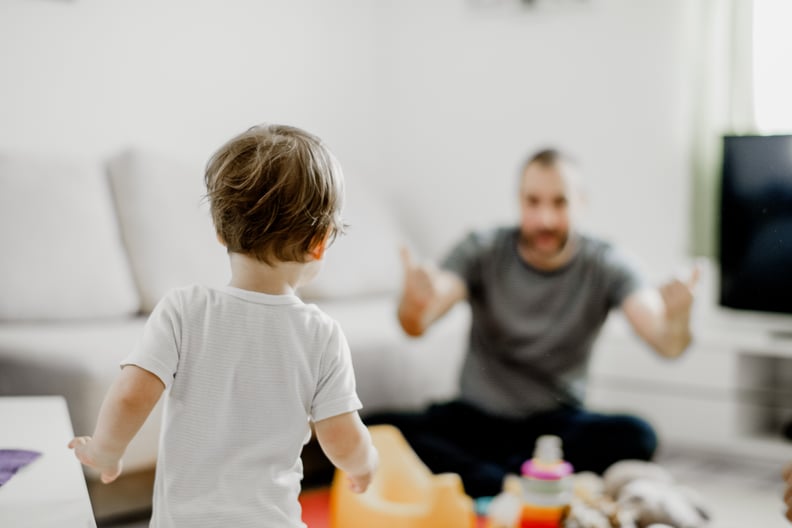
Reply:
x=359, y=483
x=86, y=451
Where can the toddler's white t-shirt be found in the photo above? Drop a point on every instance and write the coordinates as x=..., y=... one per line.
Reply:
x=244, y=373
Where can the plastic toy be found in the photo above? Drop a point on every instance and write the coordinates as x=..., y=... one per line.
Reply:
x=403, y=494
x=541, y=497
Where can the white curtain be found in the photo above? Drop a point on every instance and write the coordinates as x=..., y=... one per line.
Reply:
x=722, y=103
x=772, y=73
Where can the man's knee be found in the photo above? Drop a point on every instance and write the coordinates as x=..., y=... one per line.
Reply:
x=601, y=440
x=638, y=437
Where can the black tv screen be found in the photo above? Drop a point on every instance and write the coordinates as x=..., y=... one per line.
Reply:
x=755, y=228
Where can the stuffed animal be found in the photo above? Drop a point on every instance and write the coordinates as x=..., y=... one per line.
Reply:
x=591, y=507
x=630, y=494
x=634, y=494
x=651, y=493
x=655, y=502
x=625, y=471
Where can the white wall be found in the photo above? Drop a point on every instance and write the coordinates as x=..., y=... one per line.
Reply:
x=91, y=76
x=437, y=102
x=474, y=89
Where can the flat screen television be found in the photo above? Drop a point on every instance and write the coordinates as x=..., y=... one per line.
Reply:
x=755, y=225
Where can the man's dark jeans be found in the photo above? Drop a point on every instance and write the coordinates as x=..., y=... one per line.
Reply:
x=459, y=438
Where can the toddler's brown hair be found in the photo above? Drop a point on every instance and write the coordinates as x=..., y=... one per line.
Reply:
x=275, y=192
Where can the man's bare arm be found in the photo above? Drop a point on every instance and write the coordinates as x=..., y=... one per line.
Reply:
x=661, y=316
x=428, y=293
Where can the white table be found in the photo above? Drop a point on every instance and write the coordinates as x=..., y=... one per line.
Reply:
x=51, y=490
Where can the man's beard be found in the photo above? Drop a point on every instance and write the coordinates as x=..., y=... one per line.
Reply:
x=530, y=242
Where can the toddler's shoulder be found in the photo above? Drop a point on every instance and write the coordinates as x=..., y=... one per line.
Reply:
x=190, y=293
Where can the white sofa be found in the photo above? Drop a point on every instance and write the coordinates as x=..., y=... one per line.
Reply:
x=89, y=246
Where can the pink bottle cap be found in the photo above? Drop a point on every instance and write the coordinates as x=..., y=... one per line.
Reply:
x=546, y=471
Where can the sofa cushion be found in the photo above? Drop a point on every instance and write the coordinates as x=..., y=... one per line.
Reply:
x=166, y=224
x=394, y=371
x=78, y=360
x=365, y=261
x=62, y=255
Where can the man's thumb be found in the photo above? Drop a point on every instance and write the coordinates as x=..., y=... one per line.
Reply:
x=695, y=274
x=406, y=257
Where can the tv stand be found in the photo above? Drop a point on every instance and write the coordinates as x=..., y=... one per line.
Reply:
x=731, y=392
x=781, y=335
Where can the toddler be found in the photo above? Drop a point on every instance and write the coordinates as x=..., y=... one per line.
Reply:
x=248, y=368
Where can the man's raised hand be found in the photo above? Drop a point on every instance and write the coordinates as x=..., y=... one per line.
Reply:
x=417, y=293
x=678, y=295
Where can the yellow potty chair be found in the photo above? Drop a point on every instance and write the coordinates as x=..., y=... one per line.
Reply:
x=403, y=494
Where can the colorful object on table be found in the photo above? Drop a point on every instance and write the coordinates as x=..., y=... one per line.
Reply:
x=12, y=460
x=547, y=485
x=403, y=494
x=541, y=497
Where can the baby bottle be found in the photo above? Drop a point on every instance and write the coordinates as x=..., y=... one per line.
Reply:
x=546, y=485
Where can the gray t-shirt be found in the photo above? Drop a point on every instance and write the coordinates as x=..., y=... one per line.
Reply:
x=533, y=330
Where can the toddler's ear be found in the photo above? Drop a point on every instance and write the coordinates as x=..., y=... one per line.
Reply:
x=318, y=249
x=221, y=240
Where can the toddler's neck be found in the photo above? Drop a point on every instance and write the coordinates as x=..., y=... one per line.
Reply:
x=279, y=278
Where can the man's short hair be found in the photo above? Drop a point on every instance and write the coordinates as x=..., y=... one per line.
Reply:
x=274, y=191
x=548, y=157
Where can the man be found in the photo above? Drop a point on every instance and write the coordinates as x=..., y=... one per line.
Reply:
x=786, y=474
x=539, y=293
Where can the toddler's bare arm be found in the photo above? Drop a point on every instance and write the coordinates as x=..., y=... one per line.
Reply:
x=128, y=403
x=347, y=443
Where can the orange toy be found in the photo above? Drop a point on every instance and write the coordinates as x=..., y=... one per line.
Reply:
x=403, y=494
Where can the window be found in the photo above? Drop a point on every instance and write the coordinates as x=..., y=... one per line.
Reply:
x=772, y=57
